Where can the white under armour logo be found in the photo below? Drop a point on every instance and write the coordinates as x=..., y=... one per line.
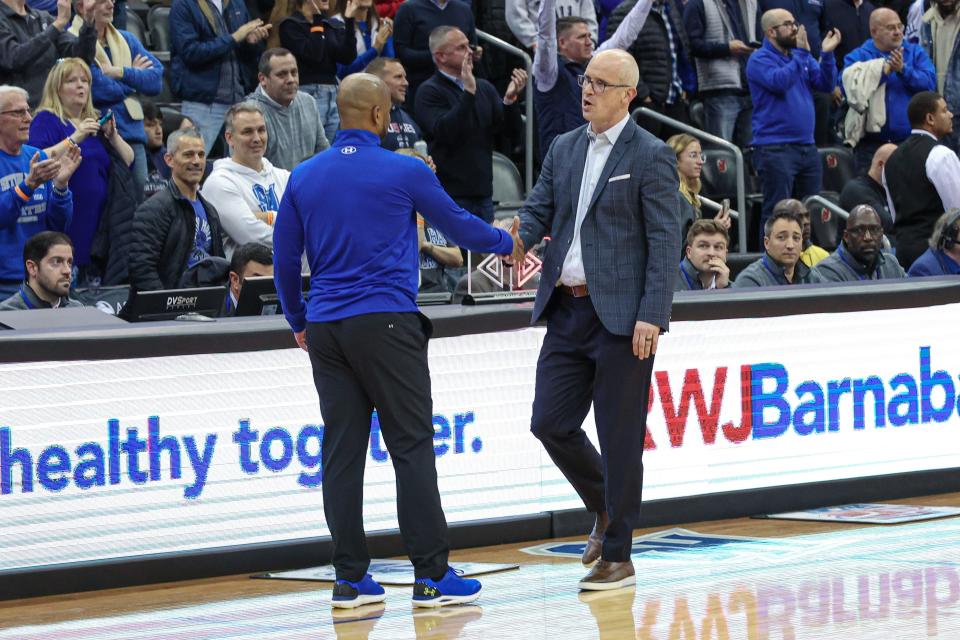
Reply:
x=348, y=150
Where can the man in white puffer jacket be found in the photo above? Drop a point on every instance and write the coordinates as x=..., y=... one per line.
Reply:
x=246, y=188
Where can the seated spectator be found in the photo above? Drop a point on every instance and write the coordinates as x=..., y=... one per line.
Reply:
x=213, y=52
x=922, y=177
x=459, y=114
x=811, y=254
x=245, y=188
x=942, y=257
x=48, y=264
x=780, y=264
x=374, y=36
x=402, y=131
x=523, y=15
x=690, y=161
x=318, y=44
x=705, y=264
x=157, y=170
x=250, y=260
x=783, y=75
x=34, y=189
x=860, y=255
x=123, y=69
x=903, y=69
x=294, y=128
x=440, y=259
x=868, y=189
x=66, y=117
x=32, y=41
x=177, y=229
x=564, y=49
x=414, y=22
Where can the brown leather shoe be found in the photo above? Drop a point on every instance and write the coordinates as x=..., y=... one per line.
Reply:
x=607, y=575
x=595, y=542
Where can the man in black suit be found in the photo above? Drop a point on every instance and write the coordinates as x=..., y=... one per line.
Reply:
x=608, y=196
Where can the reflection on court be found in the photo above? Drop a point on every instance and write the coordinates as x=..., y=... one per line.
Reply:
x=888, y=583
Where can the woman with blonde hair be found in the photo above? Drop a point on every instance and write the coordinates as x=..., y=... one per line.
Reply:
x=690, y=161
x=66, y=117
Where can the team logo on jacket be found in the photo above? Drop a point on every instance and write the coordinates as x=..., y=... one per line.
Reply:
x=348, y=150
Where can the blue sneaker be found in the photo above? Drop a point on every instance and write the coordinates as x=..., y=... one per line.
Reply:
x=451, y=589
x=348, y=595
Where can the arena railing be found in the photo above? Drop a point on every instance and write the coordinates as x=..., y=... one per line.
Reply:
x=720, y=142
x=497, y=43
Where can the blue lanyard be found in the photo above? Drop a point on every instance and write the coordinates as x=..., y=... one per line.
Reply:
x=26, y=300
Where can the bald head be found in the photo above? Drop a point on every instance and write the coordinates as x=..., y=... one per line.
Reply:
x=886, y=29
x=605, y=100
x=864, y=211
x=881, y=16
x=364, y=103
x=774, y=17
x=880, y=160
x=621, y=64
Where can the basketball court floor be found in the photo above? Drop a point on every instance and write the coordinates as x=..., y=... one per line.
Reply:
x=730, y=579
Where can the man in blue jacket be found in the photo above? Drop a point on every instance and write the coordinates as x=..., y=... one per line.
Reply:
x=353, y=208
x=783, y=75
x=906, y=72
x=214, y=48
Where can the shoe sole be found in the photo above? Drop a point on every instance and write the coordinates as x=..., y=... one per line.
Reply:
x=443, y=601
x=607, y=586
x=359, y=601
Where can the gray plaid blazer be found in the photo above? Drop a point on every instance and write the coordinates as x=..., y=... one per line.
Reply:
x=630, y=237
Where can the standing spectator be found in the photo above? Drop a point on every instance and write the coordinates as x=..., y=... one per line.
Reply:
x=868, y=189
x=402, y=131
x=415, y=21
x=158, y=171
x=852, y=19
x=294, y=128
x=522, y=17
x=374, y=36
x=48, y=265
x=780, y=264
x=604, y=10
x=662, y=52
x=213, y=53
x=722, y=39
x=860, y=255
x=387, y=8
x=905, y=71
x=938, y=35
x=245, y=188
x=177, y=229
x=704, y=265
x=922, y=177
x=942, y=257
x=564, y=48
x=782, y=77
x=32, y=41
x=66, y=117
x=318, y=44
x=459, y=114
x=123, y=68
x=34, y=189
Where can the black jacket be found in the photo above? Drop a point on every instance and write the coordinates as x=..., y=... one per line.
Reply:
x=318, y=52
x=652, y=49
x=30, y=45
x=460, y=127
x=852, y=22
x=164, y=228
x=111, y=244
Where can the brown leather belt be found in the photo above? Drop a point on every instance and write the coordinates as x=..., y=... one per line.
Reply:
x=579, y=291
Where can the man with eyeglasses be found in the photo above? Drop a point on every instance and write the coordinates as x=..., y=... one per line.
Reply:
x=34, y=192
x=609, y=198
x=905, y=71
x=783, y=75
x=860, y=255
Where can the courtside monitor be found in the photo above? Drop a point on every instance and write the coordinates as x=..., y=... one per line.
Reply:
x=258, y=296
x=169, y=304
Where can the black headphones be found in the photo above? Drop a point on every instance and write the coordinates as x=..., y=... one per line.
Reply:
x=948, y=237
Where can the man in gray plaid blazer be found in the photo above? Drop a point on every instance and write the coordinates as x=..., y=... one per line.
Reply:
x=608, y=197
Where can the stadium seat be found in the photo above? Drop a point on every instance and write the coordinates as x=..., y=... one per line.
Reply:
x=737, y=262
x=158, y=22
x=825, y=224
x=719, y=175
x=136, y=27
x=171, y=120
x=838, y=167
x=508, y=188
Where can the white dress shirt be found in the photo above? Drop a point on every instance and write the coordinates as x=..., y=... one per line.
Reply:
x=598, y=151
x=943, y=171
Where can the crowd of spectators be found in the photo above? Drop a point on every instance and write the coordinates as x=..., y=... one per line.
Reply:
x=91, y=185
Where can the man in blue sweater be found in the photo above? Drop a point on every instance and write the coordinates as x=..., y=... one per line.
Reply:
x=782, y=76
x=352, y=208
x=34, y=195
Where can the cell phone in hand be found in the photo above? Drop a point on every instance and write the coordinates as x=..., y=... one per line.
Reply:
x=105, y=117
x=724, y=207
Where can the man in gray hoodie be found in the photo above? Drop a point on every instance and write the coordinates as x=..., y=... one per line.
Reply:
x=294, y=130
